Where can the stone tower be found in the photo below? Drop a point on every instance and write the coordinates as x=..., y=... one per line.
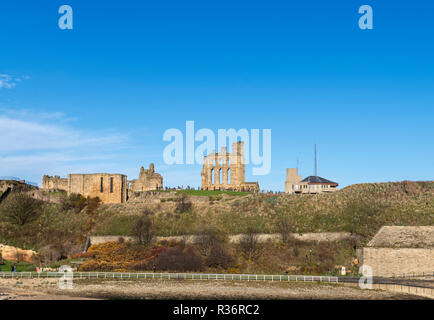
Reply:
x=148, y=180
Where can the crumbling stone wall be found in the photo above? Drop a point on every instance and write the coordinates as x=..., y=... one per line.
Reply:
x=15, y=186
x=110, y=188
x=54, y=183
x=226, y=171
x=148, y=180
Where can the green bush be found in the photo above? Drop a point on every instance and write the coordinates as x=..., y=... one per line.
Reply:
x=74, y=202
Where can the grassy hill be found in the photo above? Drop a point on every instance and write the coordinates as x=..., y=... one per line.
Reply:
x=59, y=229
x=360, y=209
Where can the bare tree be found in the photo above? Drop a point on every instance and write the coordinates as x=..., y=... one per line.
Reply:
x=219, y=257
x=143, y=230
x=285, y=229
x=20, y=208
x=207, y=237
x=179, y=259
x=249, y=244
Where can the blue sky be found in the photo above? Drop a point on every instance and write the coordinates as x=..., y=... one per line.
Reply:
x=98, y=98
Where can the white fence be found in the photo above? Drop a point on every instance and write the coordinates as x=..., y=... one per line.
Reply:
x=171, y=276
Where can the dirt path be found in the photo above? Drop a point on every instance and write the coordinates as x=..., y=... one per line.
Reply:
x=41, y=289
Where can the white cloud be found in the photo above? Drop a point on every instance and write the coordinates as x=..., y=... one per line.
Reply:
x=25, y=135
x=8, y=82
x=30, y=148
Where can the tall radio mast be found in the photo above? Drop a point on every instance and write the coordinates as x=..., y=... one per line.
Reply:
x=315, y=166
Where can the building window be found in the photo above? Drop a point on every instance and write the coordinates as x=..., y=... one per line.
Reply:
x=102, y=184
x=111, y=185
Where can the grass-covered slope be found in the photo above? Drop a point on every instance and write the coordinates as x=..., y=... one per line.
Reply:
x=360, y=209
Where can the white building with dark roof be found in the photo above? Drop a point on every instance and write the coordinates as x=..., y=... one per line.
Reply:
x=313, y=184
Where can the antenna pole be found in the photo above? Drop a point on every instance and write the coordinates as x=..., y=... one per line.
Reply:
x=315, y=168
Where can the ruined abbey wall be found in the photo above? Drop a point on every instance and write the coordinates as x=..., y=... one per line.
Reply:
x=148, y=180
x=54, y=183
x=110, y=188
x=14, y=185
x=226, y=171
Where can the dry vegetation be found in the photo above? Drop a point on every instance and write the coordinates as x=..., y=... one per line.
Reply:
x=59, y=230
x=360, y=209
x=212, y=254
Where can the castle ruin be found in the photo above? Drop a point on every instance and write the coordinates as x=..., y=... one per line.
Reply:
x=109, y=188
x=148, y=180
x=226, y=171
x=54, y=183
